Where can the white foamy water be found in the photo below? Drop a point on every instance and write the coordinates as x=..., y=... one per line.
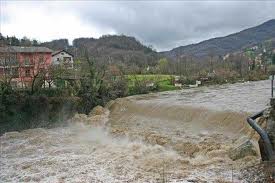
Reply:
x=80, y=154
x=179, y=136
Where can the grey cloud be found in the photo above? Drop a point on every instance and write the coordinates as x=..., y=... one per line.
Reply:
x=166, y=25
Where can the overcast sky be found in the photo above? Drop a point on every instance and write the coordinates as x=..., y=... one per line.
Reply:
x=164, y=25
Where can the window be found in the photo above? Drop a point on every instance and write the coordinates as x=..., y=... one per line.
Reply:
x=27, y=72
x=27, y=61
x=2, y=62
x=14, y=62
x=62, y=53
x=67, y=59
x=57, y=59
x=41, y=59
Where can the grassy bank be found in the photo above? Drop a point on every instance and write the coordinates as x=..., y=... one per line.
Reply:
x=21, y=110
x=160, y=82
x=166, y=82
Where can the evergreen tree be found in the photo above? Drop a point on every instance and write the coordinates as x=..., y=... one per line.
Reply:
x=34, y=42
x=14, y=41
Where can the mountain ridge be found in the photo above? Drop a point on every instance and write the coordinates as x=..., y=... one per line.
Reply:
x=226, y=44
x=121, y=48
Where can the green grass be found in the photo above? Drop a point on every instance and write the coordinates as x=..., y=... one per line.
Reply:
x=154, y=77
x=163, y=81
x=166, y=85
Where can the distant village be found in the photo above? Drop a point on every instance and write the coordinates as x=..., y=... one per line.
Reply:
x=258, y=56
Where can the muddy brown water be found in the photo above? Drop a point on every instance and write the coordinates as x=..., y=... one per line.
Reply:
x=178, y=136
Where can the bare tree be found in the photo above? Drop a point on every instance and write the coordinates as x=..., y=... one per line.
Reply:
x=211, y=60
x=39, y=71
x=8, y=66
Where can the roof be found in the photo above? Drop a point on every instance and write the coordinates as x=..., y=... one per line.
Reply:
x=58, y=51
x=22, y=49
x=5, y=49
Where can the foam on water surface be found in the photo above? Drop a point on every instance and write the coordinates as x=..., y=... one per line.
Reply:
x=179, y=136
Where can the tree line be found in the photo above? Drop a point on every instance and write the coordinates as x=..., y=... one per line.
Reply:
x=14, y=41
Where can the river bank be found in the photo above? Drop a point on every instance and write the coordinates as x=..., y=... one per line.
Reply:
x=176, y=136
x=52, y=107
x=20, y=112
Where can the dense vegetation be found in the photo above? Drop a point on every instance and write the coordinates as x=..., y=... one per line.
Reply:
x=124, y=51
x=29, y=107
x=19, y=110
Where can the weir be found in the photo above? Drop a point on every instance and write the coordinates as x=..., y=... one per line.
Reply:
x=194, y=135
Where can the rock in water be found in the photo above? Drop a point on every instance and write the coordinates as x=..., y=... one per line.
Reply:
x=98, y=110
x=97, y=117
x=243, y=150
x=79, y=118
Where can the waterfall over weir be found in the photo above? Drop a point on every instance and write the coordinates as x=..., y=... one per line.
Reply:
x=178, y=136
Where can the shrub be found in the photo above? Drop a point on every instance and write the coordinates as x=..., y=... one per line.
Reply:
x=53, y=92
x=19, y=111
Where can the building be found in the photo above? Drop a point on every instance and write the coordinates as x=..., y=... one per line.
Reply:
x=63, y=58
x=22, y=64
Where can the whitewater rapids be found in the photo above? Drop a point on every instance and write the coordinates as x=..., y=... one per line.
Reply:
x=178, y=136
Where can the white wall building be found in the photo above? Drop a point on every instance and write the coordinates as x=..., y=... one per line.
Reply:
x=63, y=58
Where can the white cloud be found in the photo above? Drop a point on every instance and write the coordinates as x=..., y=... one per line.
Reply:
x=46, y=22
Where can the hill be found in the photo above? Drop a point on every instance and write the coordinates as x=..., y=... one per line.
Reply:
x=118, y=49
x=127, y=51
x=58, y=44
x=228, y=44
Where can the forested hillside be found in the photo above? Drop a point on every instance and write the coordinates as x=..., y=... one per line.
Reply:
x=228, y=44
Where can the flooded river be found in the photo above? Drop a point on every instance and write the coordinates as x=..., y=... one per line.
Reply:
x=177, y=136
